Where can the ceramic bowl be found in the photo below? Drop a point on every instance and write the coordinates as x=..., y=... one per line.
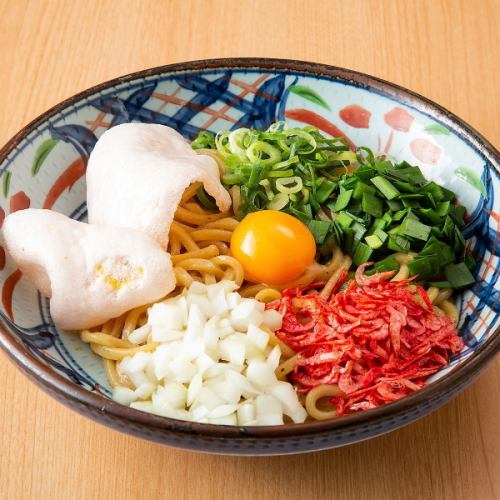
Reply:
x=44, y=166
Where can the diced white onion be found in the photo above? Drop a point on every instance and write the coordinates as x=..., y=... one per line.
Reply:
x=213, y=364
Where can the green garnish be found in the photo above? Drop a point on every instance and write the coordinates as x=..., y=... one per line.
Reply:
x=368, y=205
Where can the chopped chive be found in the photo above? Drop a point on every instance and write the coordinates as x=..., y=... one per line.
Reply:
x=373, y=241
x=415, y=229
x=387, y=264
x=385, y=187
x=344, y=219
x=398, y=243
x=371, y=204
x=360, y=189
x=361, y=254
x=458, y=275
x=342, y=200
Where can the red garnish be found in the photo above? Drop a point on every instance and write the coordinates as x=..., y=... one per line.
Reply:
x=377, y=340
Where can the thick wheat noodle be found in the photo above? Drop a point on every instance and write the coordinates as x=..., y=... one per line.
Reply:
x=118, y=353
x=404, y=258
x=113, y=376
x=174, y=245
x=286, y=351
x=202, y=266
x=235, y=193
x=188, y=243
x=402, y=274
x=433, y=293
x=184, y=215
x=444, y=294
x=450, y=310
x=229, y=223
x=286, y=367
x=334, y=263
x=315, y=395
x=194, y=207
x=104, y=339
x=190, y=192
x=182, y=277
x=186, y=227
x=211, y=234
x=223, y=247
x=267, y=295
x=204, y=253
x=108, y=326
x=228, y=261
x=253, y=289
x=132, y=320
x=334, y=278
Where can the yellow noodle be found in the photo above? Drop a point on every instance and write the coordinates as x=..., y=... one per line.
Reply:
x=402, y=274
x=209, y=279
x=202, y=266
x=112, y=375
x=223, y=247
x=186, y=227
x=404, y=258
x=286, y=367
x=186, y=240
x=174, y=245
x=104, y=339
x=182, y=277
x=267, y=295
x=211, y=234
x=444, y=294
x=235, y=193
x=432, y=293
x=315, y=395
x=286, y=351
x=252, y=290
x=449, y=310
x=183, y=215
x=117, y=353
x=228, y=261
x=132, y=319
x=108, y=326
x=333, y=265
x=229, y=223
x=330, y=284
x=190, y=192
x=204, y=253
x=194, y=207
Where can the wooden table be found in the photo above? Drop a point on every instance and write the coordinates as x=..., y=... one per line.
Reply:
x=445, y=50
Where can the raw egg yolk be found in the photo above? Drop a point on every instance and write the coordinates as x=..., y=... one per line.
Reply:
x=273, y=247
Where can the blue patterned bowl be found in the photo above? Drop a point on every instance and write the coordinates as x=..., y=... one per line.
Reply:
x=44, y=166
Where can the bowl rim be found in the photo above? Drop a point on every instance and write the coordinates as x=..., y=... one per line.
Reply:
x=459, y=376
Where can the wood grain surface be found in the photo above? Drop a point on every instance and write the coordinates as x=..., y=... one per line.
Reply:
x=445, y=50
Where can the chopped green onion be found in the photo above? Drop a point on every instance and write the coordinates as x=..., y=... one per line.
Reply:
x=458, y=275
x=387, y=264
x=289, y=185
x=371, y=204
x=344, y=219
x=415, y=229
x=319, y=229
x=361, y=188
x=398, y=243
x=373, y=241
x=342, y=200
x=385, y=187
x=279, y=202
x=361, y=254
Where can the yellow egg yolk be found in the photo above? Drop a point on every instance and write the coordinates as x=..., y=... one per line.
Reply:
x=273, y=247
